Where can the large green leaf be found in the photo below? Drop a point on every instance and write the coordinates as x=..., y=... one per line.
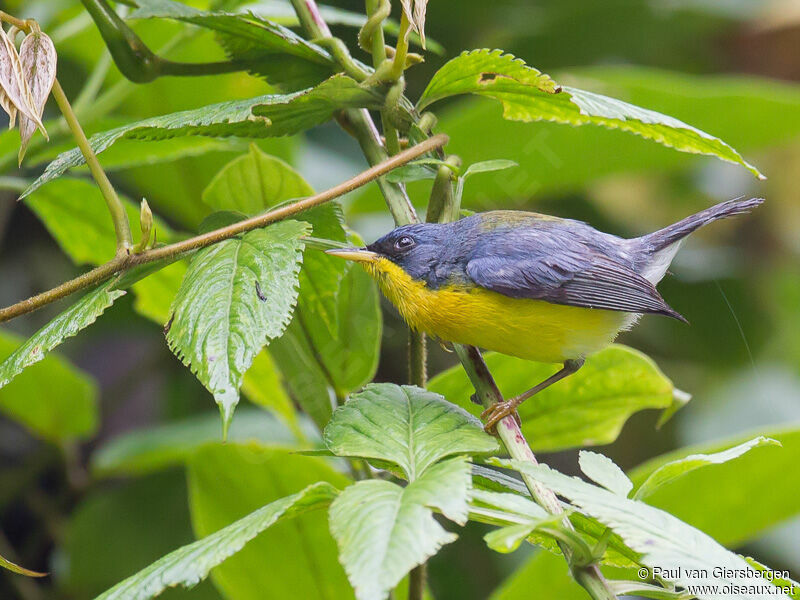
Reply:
x=262, y=384
x=190, y=564
x=263, y=116
x=670, y=471
x=586, y=409
x=529, y=95
x=384, y=530
x=295, y=559
x=404, y=425
x=156, y=448
x=684, y=555
x=285, y=58
x=255, y=182
x=53, y=399
x=236, y=296
x=320, y=367
x=729, y=501
x=77, y=317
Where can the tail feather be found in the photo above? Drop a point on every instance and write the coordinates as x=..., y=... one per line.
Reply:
x=662, y=238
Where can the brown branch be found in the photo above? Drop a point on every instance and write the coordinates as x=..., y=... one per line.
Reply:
x=124, y=263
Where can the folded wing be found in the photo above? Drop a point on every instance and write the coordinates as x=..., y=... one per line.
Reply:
x=546, y=265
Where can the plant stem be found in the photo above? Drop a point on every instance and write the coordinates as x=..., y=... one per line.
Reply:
x=121, y=226
x=416, y=582
x=135, y=60
x=172, y=251
x=511, y=435
x=401, y=50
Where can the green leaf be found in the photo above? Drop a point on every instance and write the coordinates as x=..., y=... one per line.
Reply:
x=295, y=559
x=319, y=367
x=255, y=182
x=414, y=171
x=543, y=576
x=53, y=399
x=156, y=448
x=7, y=564
x=77, y=317
x=735, y=501
x=269, y=49
x=190, y=564
x=586, y=409
x=404, y=425
x=528, y=95
x=384, y=530
x=271, y=115
x=691, y=556
x=263, y=386
x=486, y=166
x=672, y=470
x=603, y=471
x=220, y=323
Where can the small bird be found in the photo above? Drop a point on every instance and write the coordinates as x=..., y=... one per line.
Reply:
x=525, y=284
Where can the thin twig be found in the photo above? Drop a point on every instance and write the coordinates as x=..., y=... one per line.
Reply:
x=123, y=263
x=118, y=215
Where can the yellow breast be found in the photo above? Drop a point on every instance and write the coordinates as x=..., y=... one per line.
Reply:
x=530, y=329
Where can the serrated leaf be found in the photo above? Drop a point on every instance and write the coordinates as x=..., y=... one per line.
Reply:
x=190, y=564
x=672, y=470
x=220, y=323
x=603, y=471
x=384, y=530
x=283, y=57
x=404, y=425
x=586, y=409
x=255, y=182
x=529, y=95
x=152, y=449
x=38, y=59
x=52, y=399
x=272, y=115
x=295, y=559
x=686, y=555
x=77, y=317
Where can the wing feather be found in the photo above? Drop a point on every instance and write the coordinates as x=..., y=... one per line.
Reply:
x=564, y=271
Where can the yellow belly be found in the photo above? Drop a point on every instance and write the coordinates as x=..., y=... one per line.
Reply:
x=530, y=329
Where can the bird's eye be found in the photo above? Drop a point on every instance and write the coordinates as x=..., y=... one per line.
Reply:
x=404, y=243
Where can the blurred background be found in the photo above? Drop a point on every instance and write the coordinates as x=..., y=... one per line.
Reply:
x=728, y=67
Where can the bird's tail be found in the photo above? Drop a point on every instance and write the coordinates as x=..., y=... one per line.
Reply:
x=663, y=238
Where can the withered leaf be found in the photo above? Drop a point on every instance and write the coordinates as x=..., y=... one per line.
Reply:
x=16, y=96
x=414, y=11
x=38, y=57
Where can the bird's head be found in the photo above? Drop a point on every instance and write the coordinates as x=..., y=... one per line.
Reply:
x=416, y=249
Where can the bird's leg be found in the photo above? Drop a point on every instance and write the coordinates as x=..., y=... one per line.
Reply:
x=500, y=410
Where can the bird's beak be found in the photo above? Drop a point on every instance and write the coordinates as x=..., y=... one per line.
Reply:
x=354, y=254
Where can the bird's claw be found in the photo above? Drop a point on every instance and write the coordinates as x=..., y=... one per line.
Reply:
x=496, y=413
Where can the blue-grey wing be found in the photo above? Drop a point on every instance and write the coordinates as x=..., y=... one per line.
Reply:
x=561, y=270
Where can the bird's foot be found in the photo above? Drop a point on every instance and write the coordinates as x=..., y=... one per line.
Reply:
x=497, y=412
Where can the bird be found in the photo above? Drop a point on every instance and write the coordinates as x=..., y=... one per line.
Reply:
x=525, y=284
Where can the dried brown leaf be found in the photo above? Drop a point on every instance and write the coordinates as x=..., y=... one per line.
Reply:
x=414, y=11
x=12, y=82
x=38, y=57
